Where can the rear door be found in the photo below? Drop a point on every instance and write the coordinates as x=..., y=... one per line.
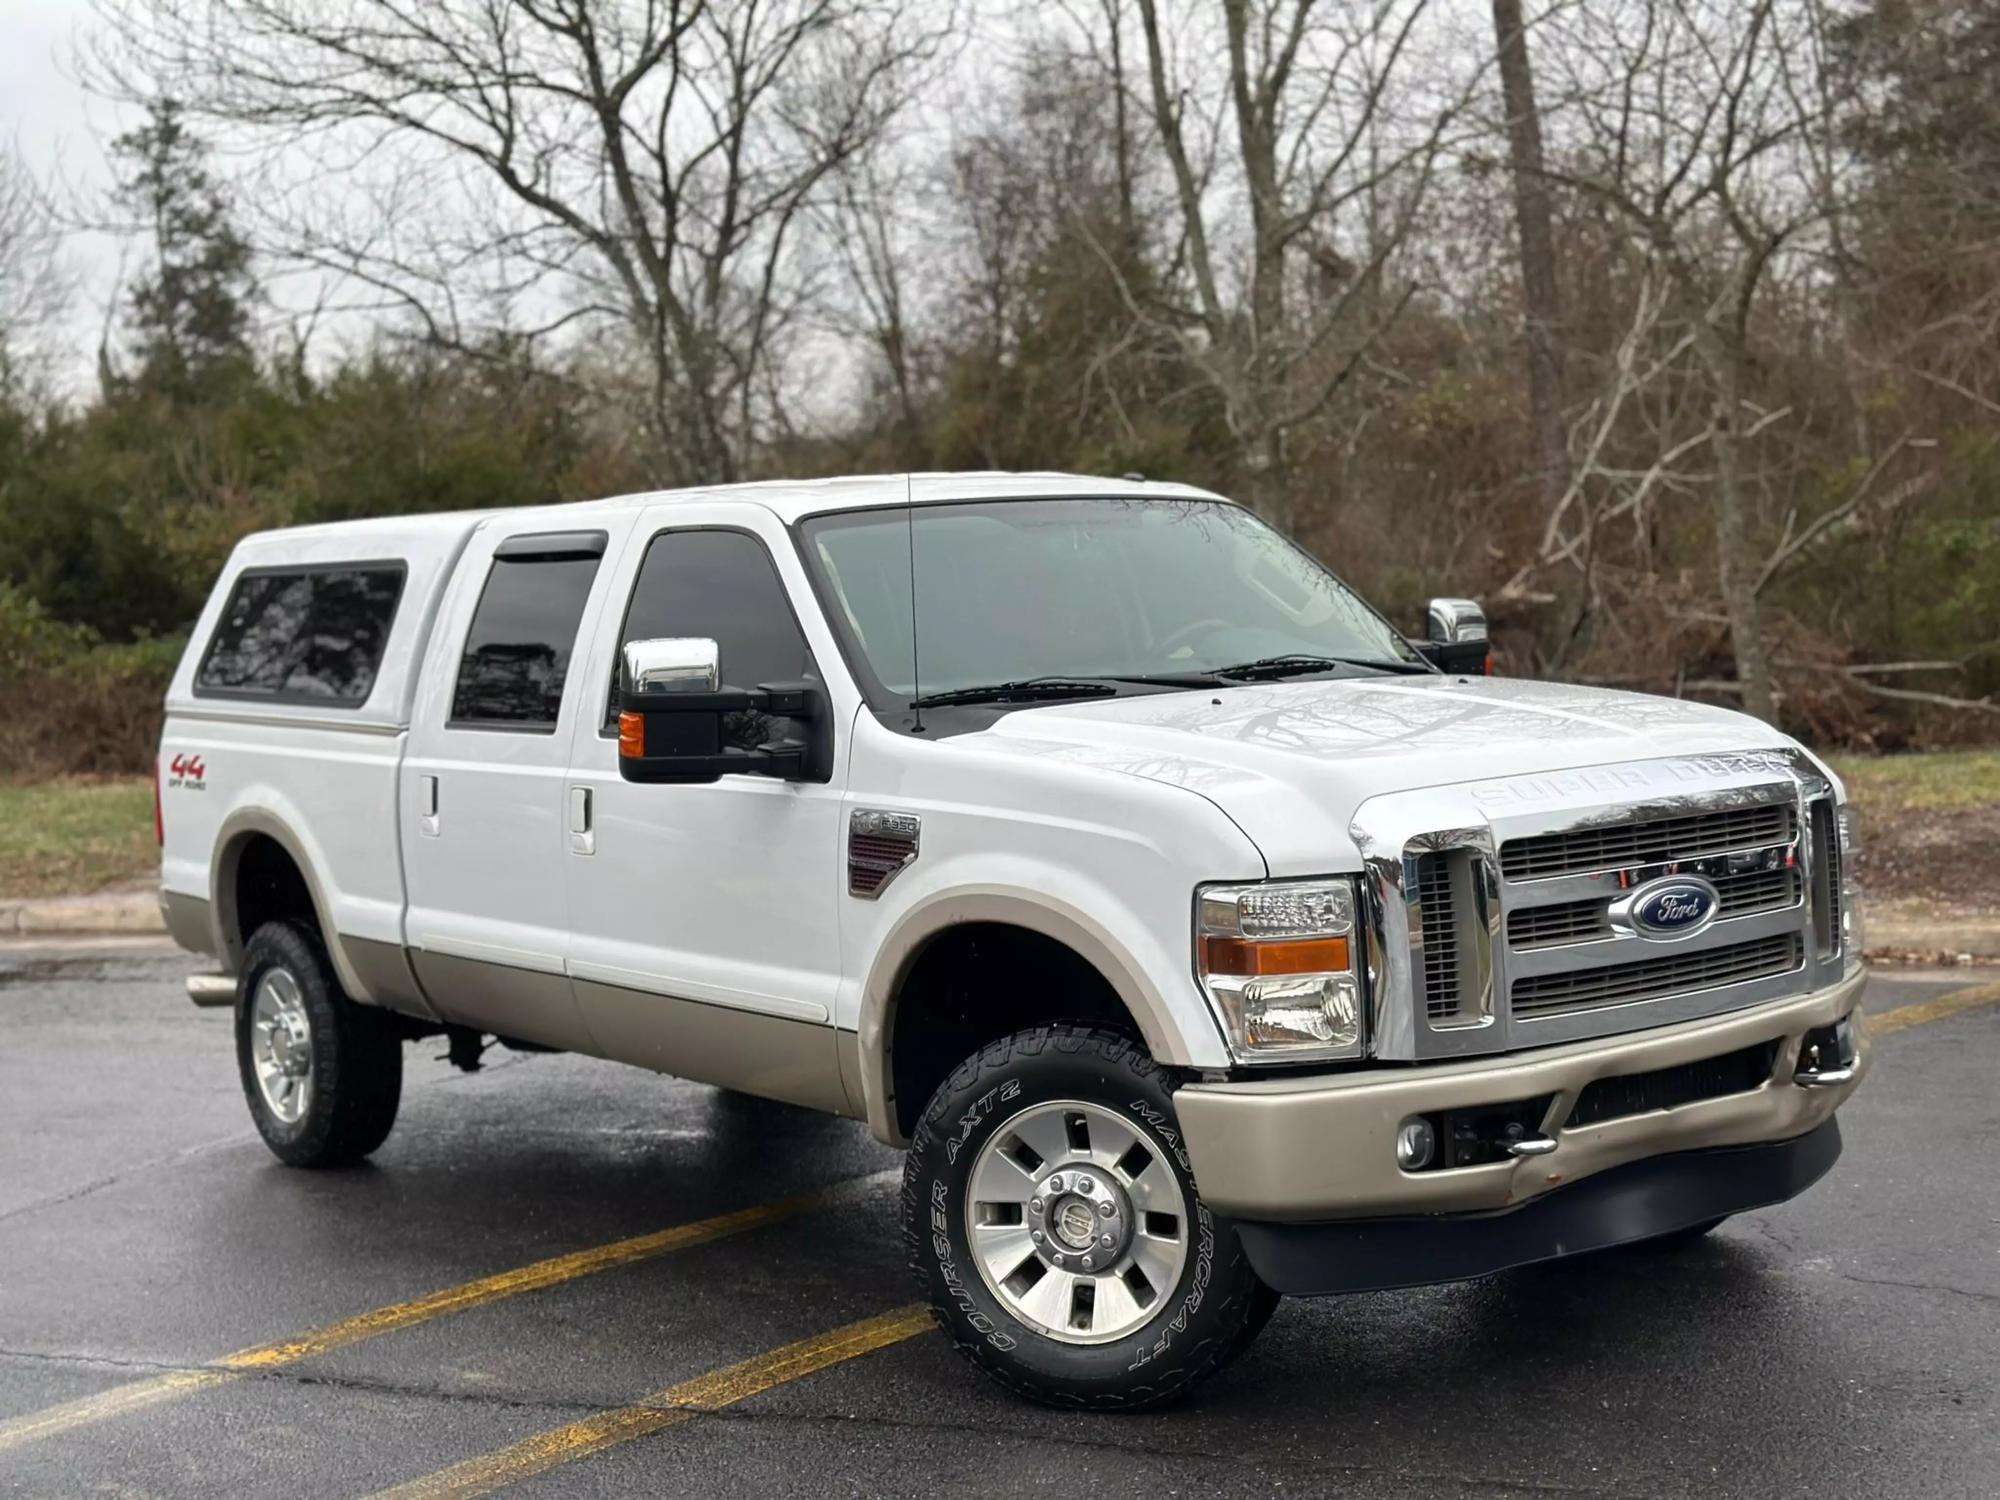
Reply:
x=482, y=787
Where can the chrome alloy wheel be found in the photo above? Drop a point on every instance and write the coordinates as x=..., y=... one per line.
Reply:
x=281, y=1045
x=1076, y=1223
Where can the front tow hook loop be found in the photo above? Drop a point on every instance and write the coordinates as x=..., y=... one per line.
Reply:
x=1534, y=1145
x=1826, y=1078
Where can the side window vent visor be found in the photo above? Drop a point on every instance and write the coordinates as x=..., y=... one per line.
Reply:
x=552, y=546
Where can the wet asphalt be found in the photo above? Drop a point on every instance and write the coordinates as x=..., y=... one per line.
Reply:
x=1845, y=1344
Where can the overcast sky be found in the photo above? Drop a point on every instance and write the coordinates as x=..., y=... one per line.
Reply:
x=61, y=133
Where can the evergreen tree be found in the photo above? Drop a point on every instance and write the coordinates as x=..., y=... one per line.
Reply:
x=190, y=316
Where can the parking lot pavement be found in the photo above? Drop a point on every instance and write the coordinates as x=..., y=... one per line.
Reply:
x=564, y=1277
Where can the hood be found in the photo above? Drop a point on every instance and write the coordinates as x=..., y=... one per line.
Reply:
x=1291, y=762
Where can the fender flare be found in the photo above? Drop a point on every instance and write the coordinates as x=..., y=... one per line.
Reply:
x=236, y=831
x=1008, y=905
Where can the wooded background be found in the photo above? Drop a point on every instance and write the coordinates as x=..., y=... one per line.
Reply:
x=1666, y=327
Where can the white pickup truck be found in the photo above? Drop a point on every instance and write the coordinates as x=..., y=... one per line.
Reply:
x=1201, y=939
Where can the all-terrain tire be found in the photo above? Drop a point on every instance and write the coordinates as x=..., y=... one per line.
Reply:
x=355, y=1076
x=1196, y=1326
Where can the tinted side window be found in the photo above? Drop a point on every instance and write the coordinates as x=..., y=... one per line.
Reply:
x=517, y=651
x=719, y=584
x=303, y=633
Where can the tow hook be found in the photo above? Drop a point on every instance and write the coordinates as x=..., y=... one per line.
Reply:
x=1827, y=1056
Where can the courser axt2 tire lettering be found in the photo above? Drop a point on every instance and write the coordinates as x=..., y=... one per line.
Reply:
x=1085, y=1095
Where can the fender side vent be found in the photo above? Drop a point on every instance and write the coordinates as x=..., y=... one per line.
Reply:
x=879, y=846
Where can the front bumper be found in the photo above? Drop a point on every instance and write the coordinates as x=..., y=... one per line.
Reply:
x=1634, y=1202
x=1308, y=1150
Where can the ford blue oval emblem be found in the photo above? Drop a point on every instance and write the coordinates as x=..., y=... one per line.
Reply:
x=1678, y=906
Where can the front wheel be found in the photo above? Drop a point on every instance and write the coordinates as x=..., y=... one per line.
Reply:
x=1054, y=1226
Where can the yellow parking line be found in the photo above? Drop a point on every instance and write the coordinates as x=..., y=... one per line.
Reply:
x=115, y=1402
x=452, y=1299
x=1956, y=1003
x=663, y=1408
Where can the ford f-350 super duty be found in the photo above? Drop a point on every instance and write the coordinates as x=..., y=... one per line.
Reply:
x=1202, y=938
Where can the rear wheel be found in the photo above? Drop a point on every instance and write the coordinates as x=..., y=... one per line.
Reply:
x=1054, y=1225
x=322, y=1075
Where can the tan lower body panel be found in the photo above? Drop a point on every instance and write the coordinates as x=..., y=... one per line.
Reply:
x=770, y=1056
x=386, y=976
x=1318, y=1148
x=190, y=921
x=525, y=1004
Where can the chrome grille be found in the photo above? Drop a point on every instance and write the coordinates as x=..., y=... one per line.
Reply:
x=1656, y=841
x=1752, y=891
x=1492, y=901
x=1744, y=894
x=1564, y=922
x=1651, y=978
x=1440, y=930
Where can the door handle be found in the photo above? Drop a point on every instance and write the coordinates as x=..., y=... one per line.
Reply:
x=427, y=806
x=582, y=837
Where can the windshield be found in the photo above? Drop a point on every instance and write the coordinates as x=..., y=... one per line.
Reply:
x=1014, y=590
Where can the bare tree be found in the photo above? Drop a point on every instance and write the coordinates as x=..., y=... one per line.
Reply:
x=34, y=286
x=865, y=223
x=1535, y=228
x=1691, y=120
x=1281, y=119
x=643, y=163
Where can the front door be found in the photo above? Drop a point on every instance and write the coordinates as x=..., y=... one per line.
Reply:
x=704, y=936
x=482, y=788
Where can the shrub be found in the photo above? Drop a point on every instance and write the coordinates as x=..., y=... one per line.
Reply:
x=73, y=703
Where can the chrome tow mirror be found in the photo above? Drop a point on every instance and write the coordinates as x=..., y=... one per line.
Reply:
x=678, y=723
x=673, y=664
x=1451, y=622
x=1455, y=637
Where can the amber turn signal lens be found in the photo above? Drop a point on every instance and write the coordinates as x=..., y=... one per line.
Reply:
x=1241, y=956
x=632, y=735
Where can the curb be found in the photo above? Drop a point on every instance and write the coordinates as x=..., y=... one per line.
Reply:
x=110, y=912
x=1958, y=941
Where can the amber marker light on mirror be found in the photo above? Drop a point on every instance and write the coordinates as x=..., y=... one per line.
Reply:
x=632, y=734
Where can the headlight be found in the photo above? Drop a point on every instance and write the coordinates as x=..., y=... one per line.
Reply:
x=1849, y=830
x=1280, y=964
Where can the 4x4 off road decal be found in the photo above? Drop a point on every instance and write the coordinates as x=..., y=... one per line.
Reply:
x=187, y=773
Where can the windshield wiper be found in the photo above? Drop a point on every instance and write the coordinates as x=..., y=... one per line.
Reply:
x=1271, y=667
x=1028, y=689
